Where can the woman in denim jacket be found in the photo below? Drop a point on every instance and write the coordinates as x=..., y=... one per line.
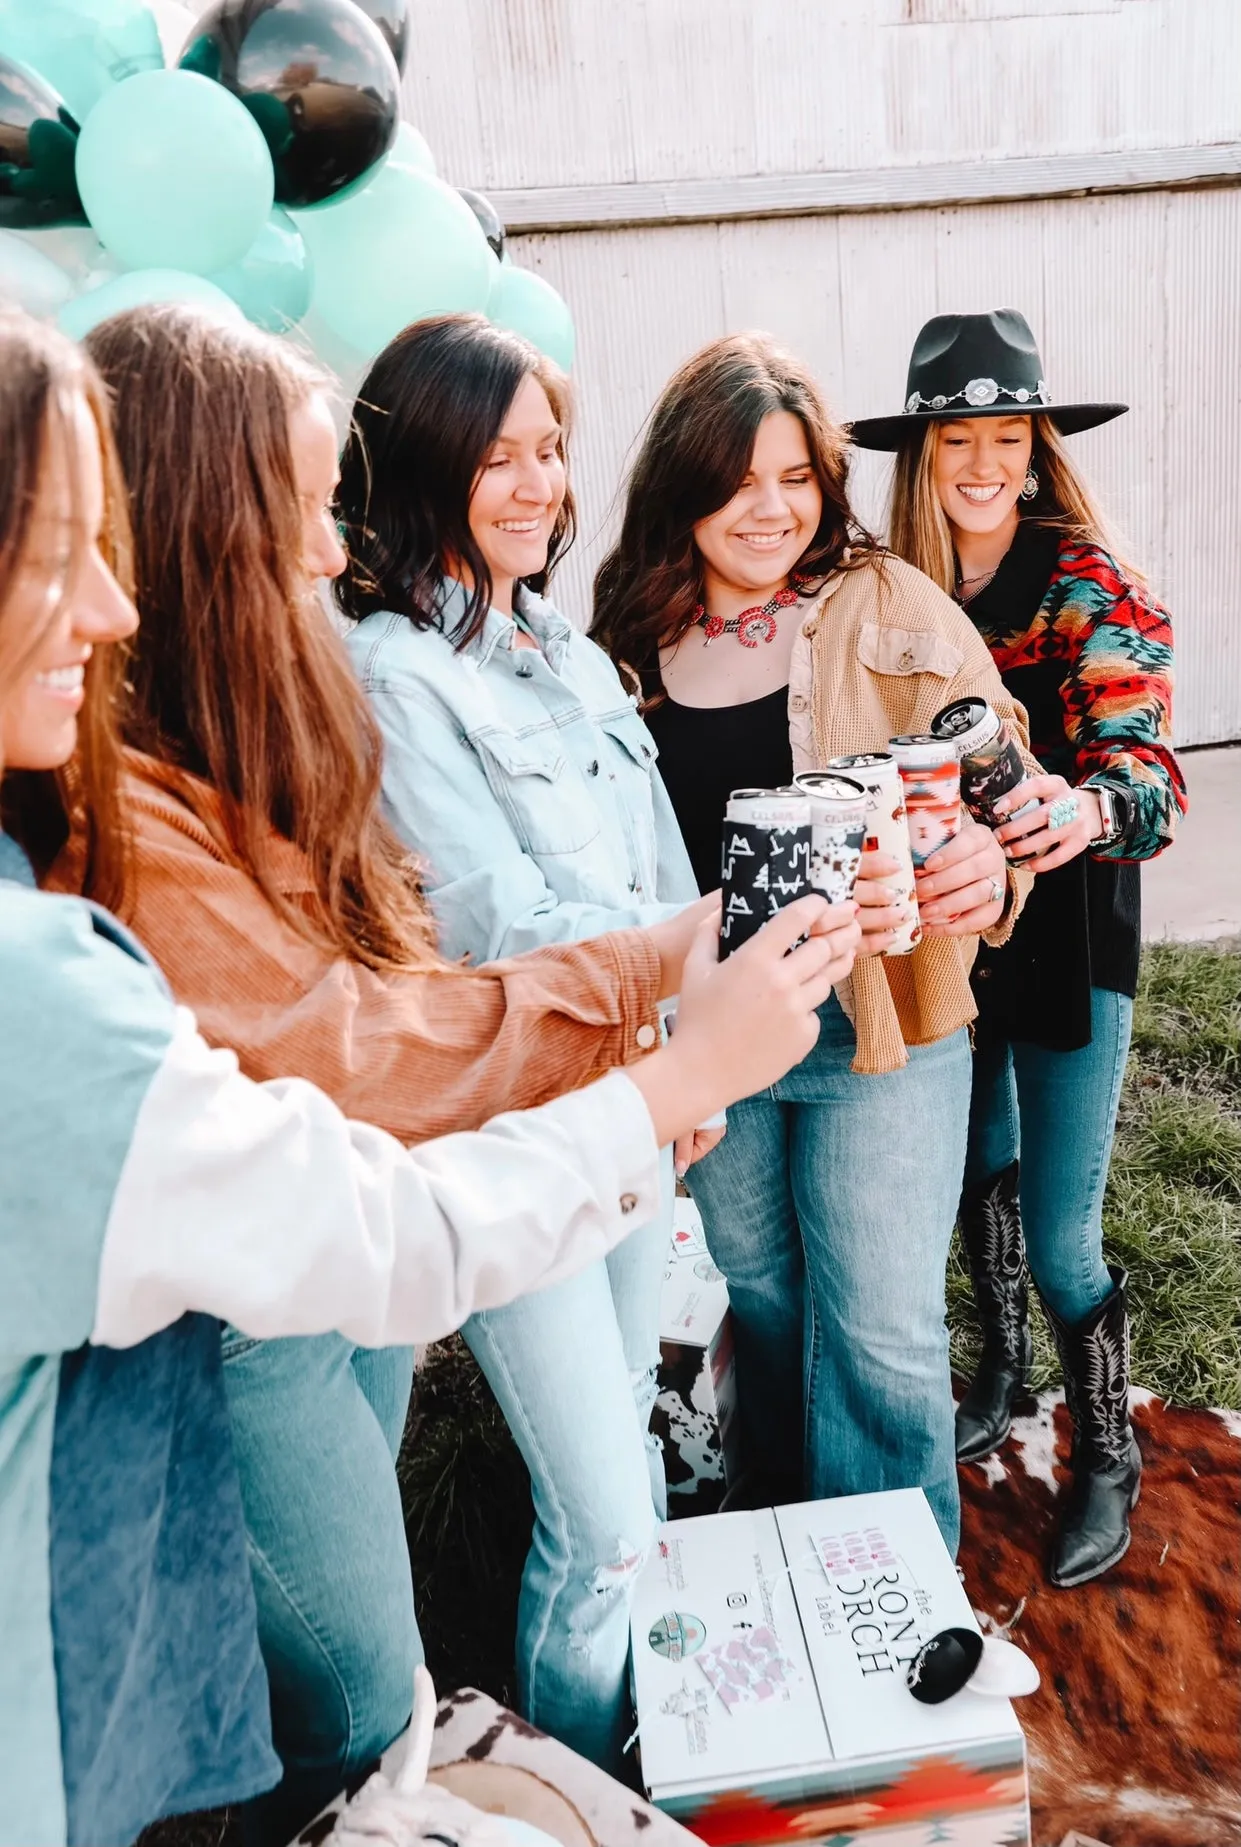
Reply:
x=518, y=768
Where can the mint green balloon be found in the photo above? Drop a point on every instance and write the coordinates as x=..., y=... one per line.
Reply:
x=525, y=304
x=174, y=173
x=83, y=48
x=403, y=247
x=272, y=283
x=30, y=280
x=137, y=288
x=411, y=149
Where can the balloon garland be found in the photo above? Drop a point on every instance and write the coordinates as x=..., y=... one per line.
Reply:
x=249, y=158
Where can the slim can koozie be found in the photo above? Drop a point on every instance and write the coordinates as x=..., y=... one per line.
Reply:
x=766, y=860
x=931, y=776
x=887, y=832
x=838, y=807
x=991, y=764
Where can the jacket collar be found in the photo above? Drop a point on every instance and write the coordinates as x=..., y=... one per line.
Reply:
x=549, y=628
x=14, y=866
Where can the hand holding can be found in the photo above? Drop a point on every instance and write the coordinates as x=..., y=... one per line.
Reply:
x=991, y=763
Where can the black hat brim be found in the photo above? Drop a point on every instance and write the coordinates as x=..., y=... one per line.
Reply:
x=891, y=433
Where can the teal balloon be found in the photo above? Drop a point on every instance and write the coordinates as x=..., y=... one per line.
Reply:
x=138, y=288
x=525, y=304
x=272, y=283
x=83, y=48
x=174, y=173
x=412, y=149
x=403, y=247
x=30, y=280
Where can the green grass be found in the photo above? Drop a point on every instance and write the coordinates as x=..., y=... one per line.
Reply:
x=1172, y=1215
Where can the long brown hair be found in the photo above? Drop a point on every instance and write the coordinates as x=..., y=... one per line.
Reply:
x=428, y=412
x=693, y=458
x=237, y=673
x=41, y=373
x=918, y=526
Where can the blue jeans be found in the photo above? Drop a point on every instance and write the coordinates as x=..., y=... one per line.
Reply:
x=829, y=1206
x=573, y=1369
x=317, y=1424
x=1056, y=1112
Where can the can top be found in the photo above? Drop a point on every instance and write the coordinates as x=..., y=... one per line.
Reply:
x=967, y=723
x=863, y=760
x=918, y=750
x=824, y=783
x=770, y=807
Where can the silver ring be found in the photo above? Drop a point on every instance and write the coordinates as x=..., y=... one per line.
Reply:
x=1064, y=812
x=997, y=890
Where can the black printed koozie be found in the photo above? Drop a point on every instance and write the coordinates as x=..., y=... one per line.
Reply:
x=763, y=869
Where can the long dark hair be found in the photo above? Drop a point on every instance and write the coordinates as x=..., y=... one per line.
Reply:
x=693, y=458
x=41, y=373
x=427, y=414
x=237, y=674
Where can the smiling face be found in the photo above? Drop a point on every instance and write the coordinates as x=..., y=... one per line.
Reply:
x=980, y=465
x=64, y=591
x=312, y=445
x=754, y=541
x=519, y=492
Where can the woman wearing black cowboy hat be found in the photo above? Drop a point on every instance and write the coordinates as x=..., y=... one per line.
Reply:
x=986, y=501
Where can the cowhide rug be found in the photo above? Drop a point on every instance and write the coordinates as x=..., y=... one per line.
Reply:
x=1135, y=1734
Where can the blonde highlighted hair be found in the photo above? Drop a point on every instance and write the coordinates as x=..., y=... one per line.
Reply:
x=919, y=530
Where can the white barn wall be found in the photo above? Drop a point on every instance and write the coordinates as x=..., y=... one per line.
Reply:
x=1133, y=295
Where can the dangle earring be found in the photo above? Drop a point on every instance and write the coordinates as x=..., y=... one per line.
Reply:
x=1029, y=487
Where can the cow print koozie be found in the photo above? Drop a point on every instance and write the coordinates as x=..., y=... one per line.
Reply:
x=764, y=868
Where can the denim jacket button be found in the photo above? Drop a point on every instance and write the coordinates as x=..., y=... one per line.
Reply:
x=592, y=768
x=645, y=1036
x=524, y=670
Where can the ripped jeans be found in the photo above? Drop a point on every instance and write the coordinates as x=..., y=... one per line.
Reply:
x=573, y=1369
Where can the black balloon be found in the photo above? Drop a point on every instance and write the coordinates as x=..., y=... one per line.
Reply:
x=392, y=18
x=38, y=146
x=488, y=217
x=317, y=77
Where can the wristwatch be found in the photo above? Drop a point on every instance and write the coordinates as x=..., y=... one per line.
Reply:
x=1115, y=809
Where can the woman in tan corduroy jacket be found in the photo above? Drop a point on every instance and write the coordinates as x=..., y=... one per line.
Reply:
x=770, y=634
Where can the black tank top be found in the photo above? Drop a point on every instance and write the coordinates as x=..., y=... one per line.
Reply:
x=705, y=752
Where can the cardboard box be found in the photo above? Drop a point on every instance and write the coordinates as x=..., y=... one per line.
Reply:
x=769, y=1655
x=695, y=1410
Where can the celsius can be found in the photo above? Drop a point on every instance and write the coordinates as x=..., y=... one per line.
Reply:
x=766, y=860
x=991, y=764
x=931, y=776
x=887, y=832
x=838, y=829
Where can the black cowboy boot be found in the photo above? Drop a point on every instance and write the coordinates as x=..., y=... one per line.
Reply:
x=1106, y=1460
x=990, y=1221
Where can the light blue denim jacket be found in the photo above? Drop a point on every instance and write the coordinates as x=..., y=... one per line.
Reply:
x=525, y=779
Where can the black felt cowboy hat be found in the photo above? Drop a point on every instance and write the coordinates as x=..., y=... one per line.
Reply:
x=976, y=365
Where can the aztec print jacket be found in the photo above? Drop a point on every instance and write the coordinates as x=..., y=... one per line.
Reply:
x=150, y=1192
x=1088, y=652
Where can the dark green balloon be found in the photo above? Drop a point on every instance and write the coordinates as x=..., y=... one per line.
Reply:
x=38, y=144
x=392, y=18
x=318, y=78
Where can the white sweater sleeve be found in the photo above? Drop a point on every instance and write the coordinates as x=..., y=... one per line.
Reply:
x=262, y=1204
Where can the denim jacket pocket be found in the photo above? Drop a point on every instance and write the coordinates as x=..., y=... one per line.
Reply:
x=537, y=787
x=628, y=730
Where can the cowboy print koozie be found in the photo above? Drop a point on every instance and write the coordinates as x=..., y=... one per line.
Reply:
x=764, y=868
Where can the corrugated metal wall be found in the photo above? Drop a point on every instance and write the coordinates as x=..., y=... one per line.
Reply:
x=1134, y=295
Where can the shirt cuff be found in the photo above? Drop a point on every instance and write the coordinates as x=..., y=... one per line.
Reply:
x=610, y=1125
x=641, y=1019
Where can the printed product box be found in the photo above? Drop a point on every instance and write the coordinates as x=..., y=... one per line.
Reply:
x=695, y=1410
x=769, y=1656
